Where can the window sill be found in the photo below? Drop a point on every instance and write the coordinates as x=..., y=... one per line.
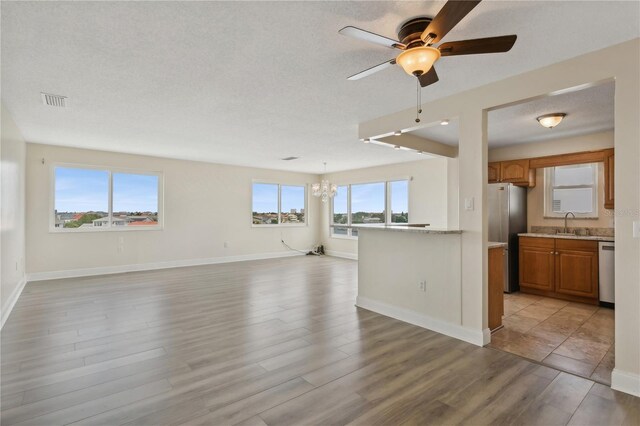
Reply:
x=109, y=229
x=281, y=225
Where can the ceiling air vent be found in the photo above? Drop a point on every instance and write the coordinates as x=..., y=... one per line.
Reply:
x=290, y=158
x=54, y=100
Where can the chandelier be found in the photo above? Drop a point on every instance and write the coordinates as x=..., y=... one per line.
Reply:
x=324, y=189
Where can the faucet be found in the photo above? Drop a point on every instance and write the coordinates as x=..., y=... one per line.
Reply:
x=565, y=221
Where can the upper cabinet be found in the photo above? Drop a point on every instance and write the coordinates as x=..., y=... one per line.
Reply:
x=515, y=171
x=494, y=172
x=609, y=167
x=522, y=172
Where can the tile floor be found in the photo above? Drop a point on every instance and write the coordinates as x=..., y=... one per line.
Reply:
x=573, y=337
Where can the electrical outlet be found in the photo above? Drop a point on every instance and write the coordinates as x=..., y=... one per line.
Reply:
x=423, y=285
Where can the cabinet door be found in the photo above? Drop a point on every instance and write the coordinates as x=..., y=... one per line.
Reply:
x=514, y=171
x=537, y=263
x=609, y=168
x=493, y=172
x=496, y=287
x=577, y=268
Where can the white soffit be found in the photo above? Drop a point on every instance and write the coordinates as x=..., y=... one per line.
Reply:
x=588, y=111
x=249, y=83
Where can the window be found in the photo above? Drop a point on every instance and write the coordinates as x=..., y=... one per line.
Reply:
x=572, y=189
x=275, y=204
x=367, y=204
x=94, y=199
x=399, y=201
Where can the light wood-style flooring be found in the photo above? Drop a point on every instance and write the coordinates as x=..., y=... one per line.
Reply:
x=276, y=342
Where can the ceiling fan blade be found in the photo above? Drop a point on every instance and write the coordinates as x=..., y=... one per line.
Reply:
x=478, y=45
x=372, y=70
x=371, y=37
x=430, y=77
x=448, y=17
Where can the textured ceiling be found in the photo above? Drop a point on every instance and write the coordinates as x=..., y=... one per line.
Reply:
x=252, y=82
x=588, y=110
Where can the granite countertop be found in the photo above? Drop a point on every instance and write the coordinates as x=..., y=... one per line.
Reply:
x=569, y=237
x=414, y=229
x=493, y=244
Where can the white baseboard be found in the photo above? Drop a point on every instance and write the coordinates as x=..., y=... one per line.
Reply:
x=11, y=301
x=476, y=337
x=119, y=269
x=342, y=254
x=626, y=382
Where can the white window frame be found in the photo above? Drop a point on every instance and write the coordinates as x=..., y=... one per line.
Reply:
x=549, y=186
x=387, y=196
x=110, y=171
x=280, y=185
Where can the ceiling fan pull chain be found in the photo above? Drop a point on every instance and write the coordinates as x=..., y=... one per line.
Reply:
x=419, y=101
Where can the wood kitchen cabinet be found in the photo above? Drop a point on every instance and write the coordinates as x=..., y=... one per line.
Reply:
x=577, y=268
x=609, y=169
x=514, y=171
x=496, y=287
x=536, y=263
x=493, y=172
x=562, y=268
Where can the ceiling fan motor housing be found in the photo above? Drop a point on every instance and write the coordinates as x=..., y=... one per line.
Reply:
x=412, y=29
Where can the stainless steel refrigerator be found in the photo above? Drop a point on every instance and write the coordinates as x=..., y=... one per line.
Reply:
x=507, y=205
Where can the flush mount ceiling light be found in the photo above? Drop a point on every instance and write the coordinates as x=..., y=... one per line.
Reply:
x=551, y=120
x=366, y=140
x=396, y=147
x=444, y=123
x=397, y=133
x=324, y=189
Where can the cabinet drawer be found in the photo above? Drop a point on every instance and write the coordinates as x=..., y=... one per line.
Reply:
x=580, y=245
x=537, y=242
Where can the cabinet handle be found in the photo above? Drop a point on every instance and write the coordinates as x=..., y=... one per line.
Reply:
x=550, y=252
x=557, y=253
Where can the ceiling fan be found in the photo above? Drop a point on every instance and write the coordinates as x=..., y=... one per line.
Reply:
x=417, y=37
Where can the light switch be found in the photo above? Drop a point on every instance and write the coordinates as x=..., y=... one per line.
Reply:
x=468, y=203
x=636, y=229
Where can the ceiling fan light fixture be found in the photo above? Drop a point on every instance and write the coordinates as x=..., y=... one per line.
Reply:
x=418, y=60
x=551, y=120
x=444, y=123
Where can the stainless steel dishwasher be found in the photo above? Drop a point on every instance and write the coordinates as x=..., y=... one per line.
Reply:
x=606, y=255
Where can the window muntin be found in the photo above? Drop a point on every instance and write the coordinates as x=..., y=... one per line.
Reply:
x=367, y=204
x=276, y=204
x=573, y=189
x=84, y=198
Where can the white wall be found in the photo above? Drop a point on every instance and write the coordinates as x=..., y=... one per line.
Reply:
x=205, y=205
x=535, y=196
x=428, y=196
x=12, y=207
x=620, y=63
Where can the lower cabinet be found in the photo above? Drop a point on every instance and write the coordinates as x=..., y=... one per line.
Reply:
x=496, y=287
x=562, y=268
